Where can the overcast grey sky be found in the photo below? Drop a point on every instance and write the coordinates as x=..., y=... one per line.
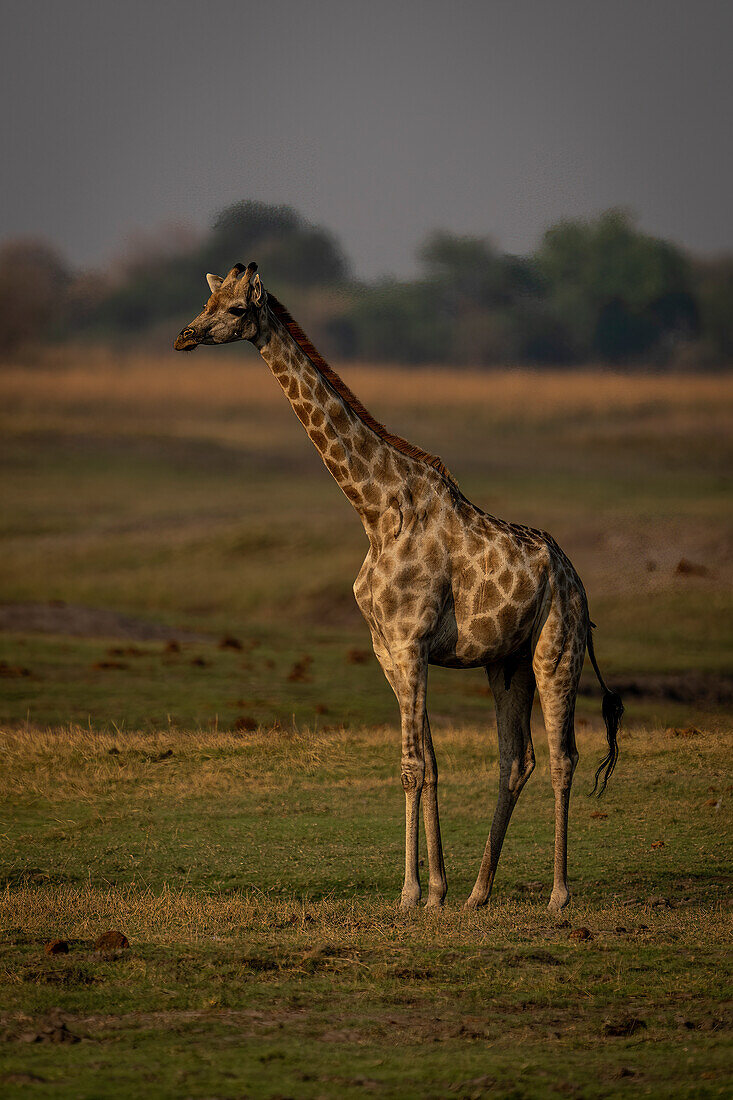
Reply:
x=381, y=120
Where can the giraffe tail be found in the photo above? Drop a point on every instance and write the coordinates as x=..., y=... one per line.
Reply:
x=613, y=708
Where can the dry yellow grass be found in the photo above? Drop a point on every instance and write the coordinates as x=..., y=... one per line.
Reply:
x=207, y=382
x=187, y=916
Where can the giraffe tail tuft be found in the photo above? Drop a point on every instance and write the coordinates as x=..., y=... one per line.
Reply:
x=613, y=709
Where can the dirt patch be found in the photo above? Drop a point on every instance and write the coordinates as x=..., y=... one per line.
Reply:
x=623, y=1026
x=76, y=621
x=705, y=689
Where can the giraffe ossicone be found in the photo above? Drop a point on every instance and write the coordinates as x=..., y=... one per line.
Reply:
x=442, y=583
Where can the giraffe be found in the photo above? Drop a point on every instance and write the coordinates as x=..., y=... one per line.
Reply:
x=443, y=583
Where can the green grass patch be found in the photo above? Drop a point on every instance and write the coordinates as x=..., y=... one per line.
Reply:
x=255, y=877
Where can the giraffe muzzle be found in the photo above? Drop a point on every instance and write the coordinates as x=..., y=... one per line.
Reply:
x=186, y=340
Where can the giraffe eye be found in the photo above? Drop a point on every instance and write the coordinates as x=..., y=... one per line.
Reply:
x=237, y=311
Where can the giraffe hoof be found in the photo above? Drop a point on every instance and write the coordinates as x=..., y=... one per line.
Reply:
x=558, y=900
x=409, y=900
x=474, y=903
x=435, y=901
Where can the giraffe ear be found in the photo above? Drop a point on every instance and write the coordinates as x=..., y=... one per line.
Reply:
x=259, y=297
x=214, y=282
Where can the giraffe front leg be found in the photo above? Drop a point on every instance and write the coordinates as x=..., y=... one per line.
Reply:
x=438, y=883
x=409, y=680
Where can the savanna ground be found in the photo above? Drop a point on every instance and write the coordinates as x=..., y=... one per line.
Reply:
x=200, y=751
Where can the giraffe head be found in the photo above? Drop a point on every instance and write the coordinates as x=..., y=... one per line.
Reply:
x=236, y=310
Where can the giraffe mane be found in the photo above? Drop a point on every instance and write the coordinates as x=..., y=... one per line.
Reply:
x=338, y=384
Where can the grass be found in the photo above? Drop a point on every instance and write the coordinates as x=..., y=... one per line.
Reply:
x=237, y=812
x=184, y=492
x=255, y=875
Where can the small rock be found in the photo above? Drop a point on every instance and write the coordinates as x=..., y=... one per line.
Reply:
x=125, y=651
x=245, y=724
x=581, y=934
x=687, y=568
x=658, y=902
x=682, y=1021
x=166, y=755
x=230, y=642
x=12, y=671
x=59, y=1034
x=112, y=941
x=623, y=1026
x=53, y=1033
x=57, y=947
x=299, y=672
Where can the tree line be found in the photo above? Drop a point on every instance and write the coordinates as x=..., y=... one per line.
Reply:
x=595, y=290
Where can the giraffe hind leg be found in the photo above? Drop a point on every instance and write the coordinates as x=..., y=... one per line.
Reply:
x=558, y=661
x=513, y=688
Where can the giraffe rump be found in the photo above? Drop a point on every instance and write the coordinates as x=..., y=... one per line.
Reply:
x=350, y=398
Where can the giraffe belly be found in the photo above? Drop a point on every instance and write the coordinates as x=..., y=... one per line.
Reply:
x=469, y=636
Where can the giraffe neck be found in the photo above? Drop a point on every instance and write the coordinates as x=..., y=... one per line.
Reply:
x=366, y=468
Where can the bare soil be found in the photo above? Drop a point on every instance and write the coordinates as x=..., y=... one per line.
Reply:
x=704, y=689
x=75, y=621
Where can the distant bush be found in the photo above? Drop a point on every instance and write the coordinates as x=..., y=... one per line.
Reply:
x=34, y=283
x=714, y=292
x=282, y=242
x=618, y=294
x=595, y=290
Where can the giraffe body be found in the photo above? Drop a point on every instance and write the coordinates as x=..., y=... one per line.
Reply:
x=443, y=583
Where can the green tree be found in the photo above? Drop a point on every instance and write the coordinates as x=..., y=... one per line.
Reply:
x=714, y=282
x=400, y=322
x=471, y=270
x=165, y=282
x=484, y=292
x=287, y=248
x=617, y=293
